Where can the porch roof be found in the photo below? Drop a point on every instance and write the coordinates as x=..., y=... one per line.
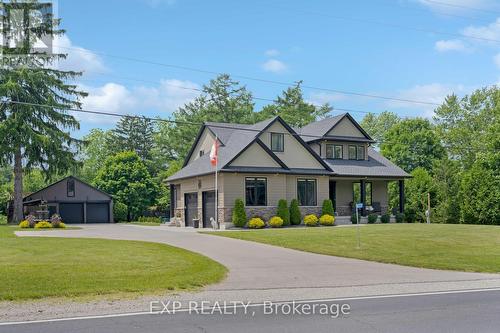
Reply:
x=375, y=166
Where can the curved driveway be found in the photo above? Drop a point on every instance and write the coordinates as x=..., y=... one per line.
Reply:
x=254, y=266
x=257, y=273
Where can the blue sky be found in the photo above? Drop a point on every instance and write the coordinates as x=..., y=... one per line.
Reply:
x=328, y=44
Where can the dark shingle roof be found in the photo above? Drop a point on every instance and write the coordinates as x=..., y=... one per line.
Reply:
x=237, y=137
x=234, y=141
x=319, y=128
x=376, y=166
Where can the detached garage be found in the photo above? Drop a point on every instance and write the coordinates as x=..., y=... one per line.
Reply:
x=74, y=200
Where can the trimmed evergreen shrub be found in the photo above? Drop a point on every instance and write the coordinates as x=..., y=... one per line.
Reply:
x=386, y=218
x=311, y=220
x=327, y=208
x=400, y=217
x=295, y=216
x=275, y=222
x=354, y=218
x=256, y=223
x=239, y=214
x=327, y=220
x=372, y=218
x=283, y=212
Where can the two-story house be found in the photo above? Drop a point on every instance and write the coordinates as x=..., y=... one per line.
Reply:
x=268, y=161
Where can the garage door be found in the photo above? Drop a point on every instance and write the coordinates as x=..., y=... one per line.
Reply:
x=71, y=212
x=208, y=208
x=97, y=212
x=191, y=204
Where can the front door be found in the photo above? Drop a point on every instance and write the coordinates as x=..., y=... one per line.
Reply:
x=208, y=208
x=333, y=193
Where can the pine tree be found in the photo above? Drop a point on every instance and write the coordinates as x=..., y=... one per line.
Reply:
x=135, y=134
x=32, y=135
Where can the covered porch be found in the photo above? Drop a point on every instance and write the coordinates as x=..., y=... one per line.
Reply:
x=372, y=192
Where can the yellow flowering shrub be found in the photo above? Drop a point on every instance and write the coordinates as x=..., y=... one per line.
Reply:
x=43, y=225
x=275, y=222
x=256, y=223
x=327, y=220
x=311, y=220
x=24, y=224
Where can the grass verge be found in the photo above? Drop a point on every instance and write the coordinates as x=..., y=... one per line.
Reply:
x=472, y=248
x=32, y=268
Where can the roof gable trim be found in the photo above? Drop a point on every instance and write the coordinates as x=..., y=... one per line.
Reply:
x=354, y=122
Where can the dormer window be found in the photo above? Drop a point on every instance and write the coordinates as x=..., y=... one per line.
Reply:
x=361, y=152
x=334, y=151
x=277, y=142
x=352, y=152
x=356, y=152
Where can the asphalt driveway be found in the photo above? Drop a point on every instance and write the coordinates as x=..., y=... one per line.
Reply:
x=259, y=272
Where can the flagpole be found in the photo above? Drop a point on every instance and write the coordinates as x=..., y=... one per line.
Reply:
x=216, y=187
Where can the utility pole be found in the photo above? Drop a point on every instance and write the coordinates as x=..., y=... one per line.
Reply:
x=428, y=208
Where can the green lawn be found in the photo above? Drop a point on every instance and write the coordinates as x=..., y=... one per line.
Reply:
x=442, y=246
x=68, y=267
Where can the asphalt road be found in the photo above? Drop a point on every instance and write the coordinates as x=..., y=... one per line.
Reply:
x=477, y=311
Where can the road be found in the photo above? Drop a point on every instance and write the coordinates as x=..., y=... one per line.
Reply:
x=476, y=311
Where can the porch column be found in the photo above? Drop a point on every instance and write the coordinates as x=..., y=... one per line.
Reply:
x=401, y=195
x=363, y=196
x=172, y=200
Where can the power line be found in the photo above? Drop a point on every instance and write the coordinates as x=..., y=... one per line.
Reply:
x=219, y=125
x=244, y=77
x=397, y=26
x=409, y=28
x=468, y=18
x=253, y=97
x=462, y=6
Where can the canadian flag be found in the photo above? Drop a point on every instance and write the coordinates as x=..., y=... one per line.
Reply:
x=214, y=153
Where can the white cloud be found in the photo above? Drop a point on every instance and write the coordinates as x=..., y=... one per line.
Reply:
x=490, y=31
x=79, y=58
x=322, y=98
x=457, y=6
x=272, y=53
x=496, y=59
x=169, y=95
x=450, y=45
x=433, y=93
x=274, y=66
x=116, y=98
